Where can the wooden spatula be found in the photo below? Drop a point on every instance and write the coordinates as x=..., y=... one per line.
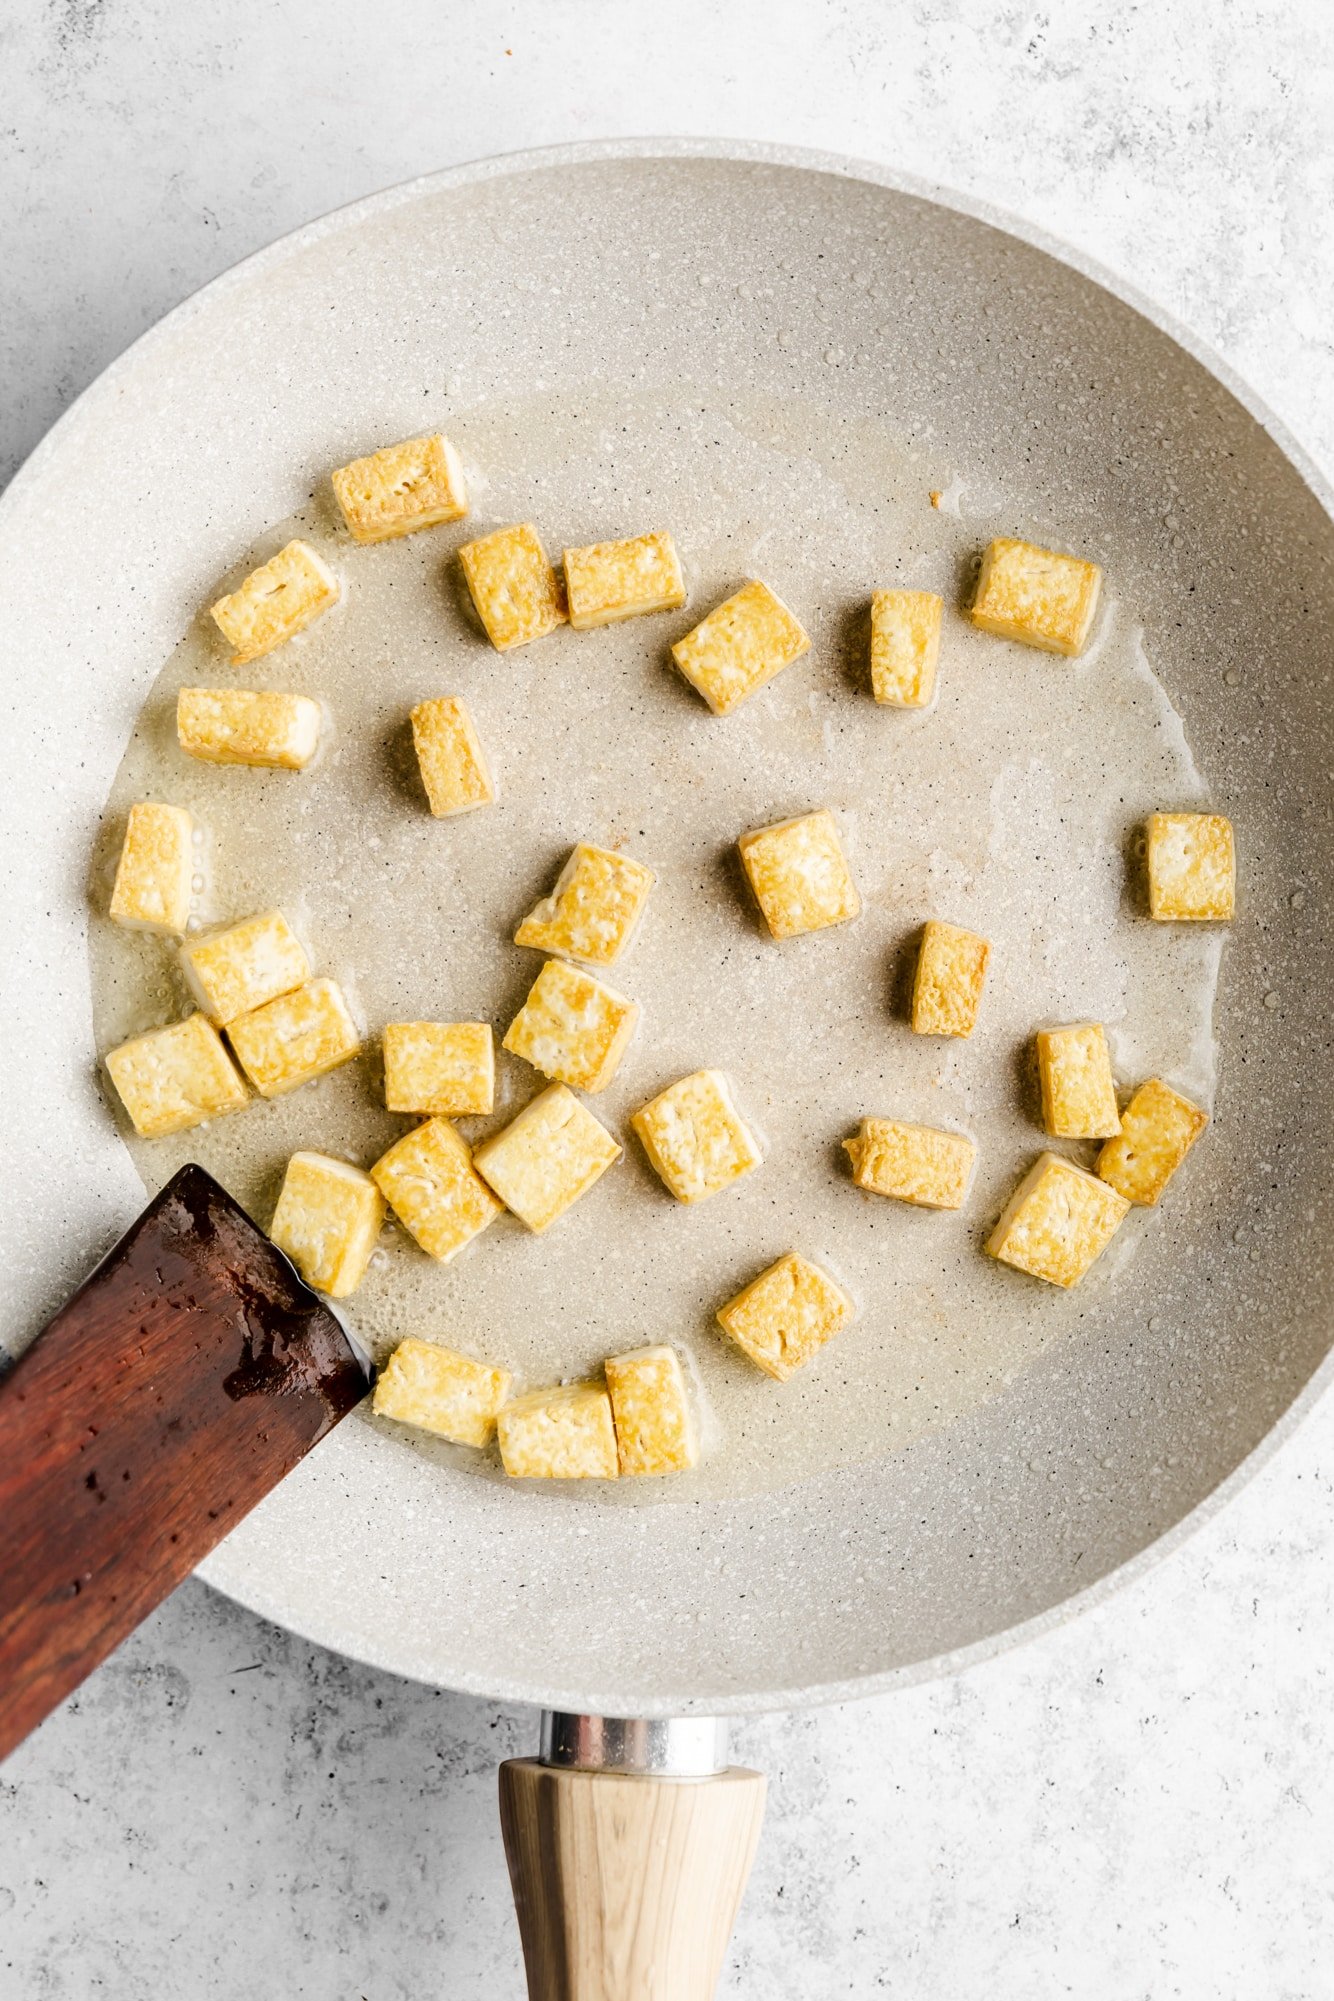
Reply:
x=182, y=1381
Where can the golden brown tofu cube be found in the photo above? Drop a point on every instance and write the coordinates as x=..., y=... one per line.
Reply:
x=1056, y=1223
x=174, y=1078
x=612, y=580
x=916, y=1164
x=437, y=1390
x=592, y=912
x=546, y=1158
x=572, y=1028
x=248, y=726
x=695, y=1138
x=799, y=874
x=288, y=1042
x=444, y=1067
x=905, y=647
x=518, y=595
x=1036, y=596
x=156, y=870
x=951, y=973
x=275, y=602
x=429, y=1182
x=1192, y=867
x=1075, y=1070
x=327, y=1220
x=740, y=646
x=651, y=1411
x=234, y=971
x=559, y=1434
x=453, y=764
x=417, y=484
x=786, y=1315
x=1158, y=1129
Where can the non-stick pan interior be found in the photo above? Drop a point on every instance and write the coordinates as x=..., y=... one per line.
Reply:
x=1045, y=393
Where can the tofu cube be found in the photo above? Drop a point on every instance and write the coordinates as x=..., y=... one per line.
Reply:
x=651, y=1411
x=155, y=870
x=174, y=1078
x=592, y=912
x=289, y=1041
x=518, y=595
x=1192, y=867
x=327, y=1220
x=905, y=647
x=916, y=1164
x=1158, y=1129
x=546, y=1158
x=572, y=1028
x=560, y=1434
x=740, y=646
x=1036, y=596
x=417, y=484
x=435, y=1389
x=785, y=1316
x=439, y=1067
x=1078, y=1095
x=245, y=726
x=453, y=763
x=276, y=601
x=239, y=969
x=1056, y=1223
x=429, y=1182
x=951, y=973
x=612, y=580
x=799, y=875
x=695, y=1138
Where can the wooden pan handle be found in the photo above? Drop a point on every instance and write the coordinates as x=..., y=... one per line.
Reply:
x=626, y=1887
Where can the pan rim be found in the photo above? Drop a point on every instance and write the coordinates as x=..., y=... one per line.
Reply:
x=554, y=1694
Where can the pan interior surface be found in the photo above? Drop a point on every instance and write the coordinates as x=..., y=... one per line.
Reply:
x=998, y=808
x=869, y=340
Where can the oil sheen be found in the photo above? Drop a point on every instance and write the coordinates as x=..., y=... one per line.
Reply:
x=1010, y=807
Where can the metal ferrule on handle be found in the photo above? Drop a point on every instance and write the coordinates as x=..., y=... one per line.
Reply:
x=664, y=1747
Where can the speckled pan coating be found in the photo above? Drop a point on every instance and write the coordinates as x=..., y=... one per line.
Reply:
x=1035, y=380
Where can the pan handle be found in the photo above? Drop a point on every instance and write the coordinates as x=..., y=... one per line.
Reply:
x=629, y=1844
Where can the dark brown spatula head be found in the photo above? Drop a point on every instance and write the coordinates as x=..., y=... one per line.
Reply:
x=181, y=1382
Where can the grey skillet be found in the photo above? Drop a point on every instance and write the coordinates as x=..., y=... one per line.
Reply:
x=576, y=267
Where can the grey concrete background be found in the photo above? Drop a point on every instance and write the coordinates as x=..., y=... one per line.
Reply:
x=1138, y=1806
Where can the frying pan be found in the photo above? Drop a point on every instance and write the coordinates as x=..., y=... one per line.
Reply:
x=1026, y=369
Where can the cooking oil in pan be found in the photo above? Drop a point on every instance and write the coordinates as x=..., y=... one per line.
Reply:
x=1010, y=808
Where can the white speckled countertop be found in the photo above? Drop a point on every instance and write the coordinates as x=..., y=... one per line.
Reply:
x=1138, y=1805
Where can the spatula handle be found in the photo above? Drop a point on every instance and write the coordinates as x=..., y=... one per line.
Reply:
x=626, y=1888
